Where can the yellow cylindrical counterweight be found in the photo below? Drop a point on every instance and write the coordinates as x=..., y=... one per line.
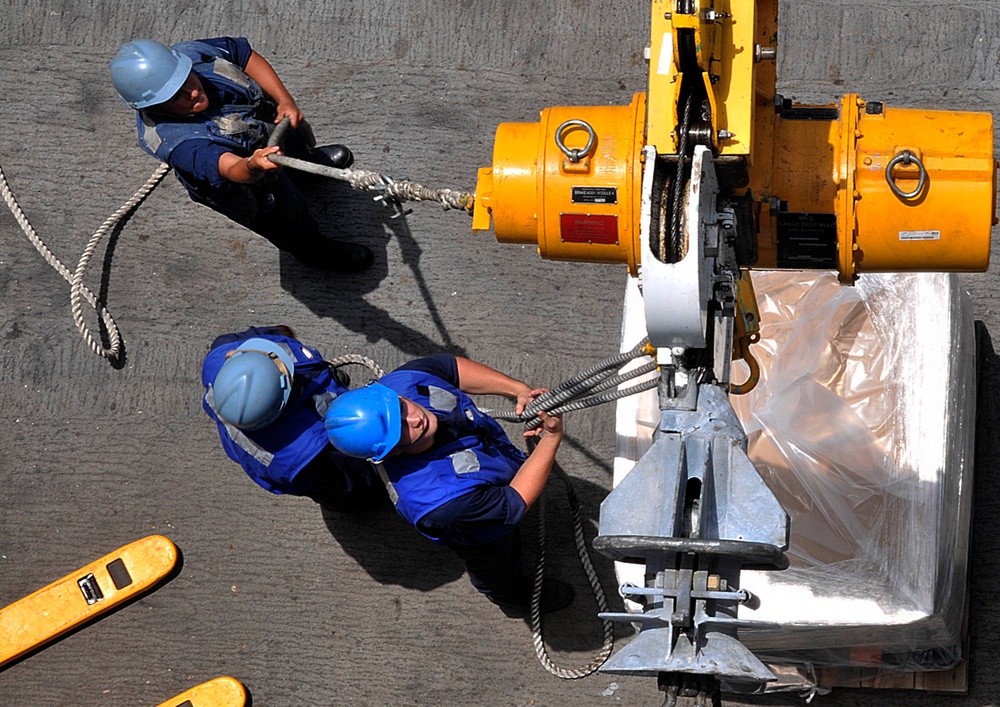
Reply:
x=923, y=191
x=865, y=187
x=570, y=183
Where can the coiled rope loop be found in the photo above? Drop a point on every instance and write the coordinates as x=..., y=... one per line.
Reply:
x=75, y=279
x=595, y=585
x=360, y=360
x=392, y=190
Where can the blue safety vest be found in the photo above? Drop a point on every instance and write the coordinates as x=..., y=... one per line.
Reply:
x=482, y=454
x=234, y=125
x=272, y=456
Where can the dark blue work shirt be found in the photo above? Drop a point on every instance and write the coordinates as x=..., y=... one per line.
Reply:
x=199, y=159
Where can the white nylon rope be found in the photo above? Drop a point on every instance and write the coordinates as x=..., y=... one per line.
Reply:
x=77, y=288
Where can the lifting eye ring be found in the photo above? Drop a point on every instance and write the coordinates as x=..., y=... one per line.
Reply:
x=906, y=157
x=575, y=156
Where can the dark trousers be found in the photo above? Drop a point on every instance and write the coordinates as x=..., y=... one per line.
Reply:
x=341, y=483
x=273, y=207
x=495, y=567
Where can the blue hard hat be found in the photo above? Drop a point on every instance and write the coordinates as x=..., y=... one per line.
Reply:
x=146, y=73
x=253, y=385
x=365, y=423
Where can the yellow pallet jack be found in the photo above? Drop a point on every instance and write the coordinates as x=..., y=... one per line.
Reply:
x=83, y=595
x=220, y=692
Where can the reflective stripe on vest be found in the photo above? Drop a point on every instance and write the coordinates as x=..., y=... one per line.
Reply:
x=233, y=125
x=393, y=494
x=441, y=399
x=238, y=436
x=464, y=462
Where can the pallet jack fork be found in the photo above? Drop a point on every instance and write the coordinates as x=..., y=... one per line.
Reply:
x=221, y=692
x=83, y=595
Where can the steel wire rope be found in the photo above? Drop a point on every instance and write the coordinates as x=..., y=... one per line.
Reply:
x=75, y=279
x=678, y=185
x=579, y=391
x=593, y=400
x=588, y=394
x=598, y=377
x=582, y=379
x=612, y=381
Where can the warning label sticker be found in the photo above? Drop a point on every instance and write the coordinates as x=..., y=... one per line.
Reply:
x=920, y=235
x=588, y=228
x=595, y=195
x=807, y=240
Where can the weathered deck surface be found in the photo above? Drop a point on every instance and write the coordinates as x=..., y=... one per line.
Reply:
x=352, y=609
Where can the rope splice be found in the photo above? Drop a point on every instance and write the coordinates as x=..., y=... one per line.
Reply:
x=390, y=191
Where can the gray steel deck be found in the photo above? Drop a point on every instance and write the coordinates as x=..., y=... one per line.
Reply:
x=353, y=609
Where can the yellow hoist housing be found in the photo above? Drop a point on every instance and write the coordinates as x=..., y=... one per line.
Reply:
x=858, y=186
x=900, y=189
x=570, y=190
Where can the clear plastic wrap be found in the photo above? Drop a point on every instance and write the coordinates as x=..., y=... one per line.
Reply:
x=863, y=427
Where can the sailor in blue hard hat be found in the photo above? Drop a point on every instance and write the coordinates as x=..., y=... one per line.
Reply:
x=367, y=424
x=451, y=470
x=207, y=108
x=268, y=394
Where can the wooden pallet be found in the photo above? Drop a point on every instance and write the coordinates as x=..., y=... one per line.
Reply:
x=952, y=681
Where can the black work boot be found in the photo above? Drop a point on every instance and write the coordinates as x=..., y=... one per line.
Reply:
x=338, y=156
x=338, y=257
x=556, y=595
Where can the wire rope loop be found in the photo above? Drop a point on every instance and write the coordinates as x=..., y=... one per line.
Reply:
x=574, y=155
x=906, y=157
